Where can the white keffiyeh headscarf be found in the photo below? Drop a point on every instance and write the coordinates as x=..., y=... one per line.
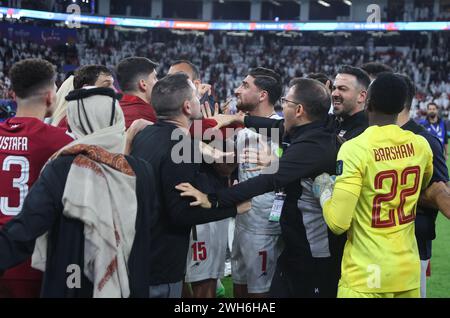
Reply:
x=61, y=102
x=100, y=191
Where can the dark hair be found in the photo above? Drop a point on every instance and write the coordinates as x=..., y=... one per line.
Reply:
x=88, y=75
x=362, y=77
x=169, y=94
x=411, y=90
x=131, y=70
x=387, y=94
x=375, y=68
x=194, y=69
x=313, y=95
x=68, y=74
x=30, y=75
x=432, y=103
x=321, y=77
x=268, y=80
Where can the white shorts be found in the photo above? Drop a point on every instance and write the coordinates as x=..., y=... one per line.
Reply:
x=253, y=260
x=423, y=278
x=206, y=256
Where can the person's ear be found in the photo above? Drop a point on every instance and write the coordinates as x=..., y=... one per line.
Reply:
x=142, y=85
x=300, y=111
x=50, y=102
x=187, y=108
x=362, y=97
x=263, y=95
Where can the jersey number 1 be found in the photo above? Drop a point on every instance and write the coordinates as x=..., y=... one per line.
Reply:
x=19, y=183
x=386, y=197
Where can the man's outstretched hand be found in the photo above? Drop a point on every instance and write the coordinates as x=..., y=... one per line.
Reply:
x=227, y=120
x=201, y=199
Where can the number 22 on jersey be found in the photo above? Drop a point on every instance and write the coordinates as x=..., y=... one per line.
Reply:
x=392, y=175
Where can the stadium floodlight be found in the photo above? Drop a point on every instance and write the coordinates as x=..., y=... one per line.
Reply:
x=347, y=2
x=14, y=13
x=324, y=3
x=221, y=1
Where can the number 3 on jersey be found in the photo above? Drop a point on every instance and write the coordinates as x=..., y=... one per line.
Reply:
x=386, y=197
x=19, y=183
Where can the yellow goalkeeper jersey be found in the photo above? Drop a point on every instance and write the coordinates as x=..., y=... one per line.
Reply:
x=386, y=167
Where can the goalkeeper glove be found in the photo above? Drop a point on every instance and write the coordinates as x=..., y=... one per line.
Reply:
x=323, y=187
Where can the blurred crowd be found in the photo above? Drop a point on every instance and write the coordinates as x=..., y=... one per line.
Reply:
x=224, y=59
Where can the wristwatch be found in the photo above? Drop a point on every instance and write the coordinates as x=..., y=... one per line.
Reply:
x=212, y=198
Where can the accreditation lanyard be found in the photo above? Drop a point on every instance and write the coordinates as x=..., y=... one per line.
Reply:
x=277, y=206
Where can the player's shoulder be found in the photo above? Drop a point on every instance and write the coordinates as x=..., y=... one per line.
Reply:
x=416, y=138
x=424, y=144
x=354, y=150
x=53, y=128
x=56, y=132
x=53, y=138
x=358, y=142
x=420, y=139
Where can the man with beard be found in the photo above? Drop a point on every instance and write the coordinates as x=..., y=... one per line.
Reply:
x=257, y=242
x=349, y=97
x=436, y=126
x=381, y=174
x=349, y=94
x=176, y=103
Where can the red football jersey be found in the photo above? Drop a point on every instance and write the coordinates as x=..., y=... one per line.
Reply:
x=134, y=108
x=25, y=146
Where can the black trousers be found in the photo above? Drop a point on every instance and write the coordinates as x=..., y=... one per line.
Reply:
x=320, y=281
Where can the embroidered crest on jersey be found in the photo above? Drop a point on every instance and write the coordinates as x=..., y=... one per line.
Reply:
x=339, y=167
